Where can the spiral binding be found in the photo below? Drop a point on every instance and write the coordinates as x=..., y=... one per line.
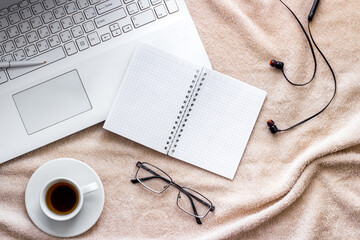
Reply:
x=186, y=108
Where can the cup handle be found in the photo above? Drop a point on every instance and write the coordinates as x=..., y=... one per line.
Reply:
x=89, y=188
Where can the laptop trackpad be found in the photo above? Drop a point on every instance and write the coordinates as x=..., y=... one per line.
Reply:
x=52, y=102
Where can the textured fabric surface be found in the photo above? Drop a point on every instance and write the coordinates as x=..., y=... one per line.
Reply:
x=303, y=184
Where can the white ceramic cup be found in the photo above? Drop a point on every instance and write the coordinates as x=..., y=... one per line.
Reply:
x=80, y=190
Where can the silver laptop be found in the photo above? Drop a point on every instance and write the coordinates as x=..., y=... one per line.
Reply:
x=86, y=45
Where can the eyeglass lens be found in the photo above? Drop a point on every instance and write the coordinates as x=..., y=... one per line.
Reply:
x=153, y=178
x=193, y=203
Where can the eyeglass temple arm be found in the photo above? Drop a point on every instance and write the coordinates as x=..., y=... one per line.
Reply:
x=149, y=178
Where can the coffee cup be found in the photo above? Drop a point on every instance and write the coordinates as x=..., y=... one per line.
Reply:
x=62, y=198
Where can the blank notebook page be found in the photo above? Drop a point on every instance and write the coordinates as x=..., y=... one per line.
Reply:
x=150, y=97
x=219, y=126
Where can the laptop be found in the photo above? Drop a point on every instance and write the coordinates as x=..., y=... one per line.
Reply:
x=87, y=45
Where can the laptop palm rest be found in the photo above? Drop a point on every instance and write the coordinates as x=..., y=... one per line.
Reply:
x=51, y=102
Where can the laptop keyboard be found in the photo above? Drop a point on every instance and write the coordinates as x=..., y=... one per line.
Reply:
x=55, y=29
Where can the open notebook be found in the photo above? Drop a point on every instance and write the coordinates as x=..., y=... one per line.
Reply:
x=184, y=110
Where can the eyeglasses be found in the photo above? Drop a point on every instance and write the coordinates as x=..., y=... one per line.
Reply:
x=188, y=200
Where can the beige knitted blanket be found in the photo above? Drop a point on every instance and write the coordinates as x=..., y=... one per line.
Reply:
x=302, y=184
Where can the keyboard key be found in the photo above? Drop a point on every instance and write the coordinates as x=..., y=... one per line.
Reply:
x=13, y=8
x=143, y=4
x=59, y=12
x=25, y=13
x=154, y=2
x=48, y=17
x=127, y=28
x=49, y=4
x=114, y=27
x=7, y=58
x=171, y=6
x=37, y=8
x=4, y=11
x=1, y=51
x=31, y=50
x=70, y=48
x=20, y=41
x=160, y=11
x=65, y=36
x=23, y=4
x=36, y=22
x=106, y=37
x=78, y=17
x=13, y=31
x=94, y=38
x=82, y=43
x=70, y=8
x=44, y=32
x=132, y=8
x=19, y=55
x=32, y=37
x=3, y=23
x=94, y=1
x=3, y=36
x=82, y=4
x=108, y=6
x=60, y=2
x=42, y=45
x=9, y=46
x=77, y=31
x=128, y=1
x=143, y=18
x=3, y=77
x=110, y=17
x=89, y=26
x=54, y=41
x=14, y=18
x=90, y=13
x=50, y=57
x=24, y=27
x=55, y=27
x=116, y=33
x=66, y=22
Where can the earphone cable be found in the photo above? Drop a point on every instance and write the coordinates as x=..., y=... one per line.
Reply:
x=335, y=85
x=311, y=48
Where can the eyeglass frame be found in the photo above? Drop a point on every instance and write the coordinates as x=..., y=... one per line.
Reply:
x=171, y=183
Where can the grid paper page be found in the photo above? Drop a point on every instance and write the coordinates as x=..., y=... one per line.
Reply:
x=150, y=97
x=220, y=123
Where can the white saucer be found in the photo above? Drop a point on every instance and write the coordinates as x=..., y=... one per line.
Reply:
x=93, y=202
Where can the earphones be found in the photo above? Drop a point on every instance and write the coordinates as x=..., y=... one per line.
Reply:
x=280, y=65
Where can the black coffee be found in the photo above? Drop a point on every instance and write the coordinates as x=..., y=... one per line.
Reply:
x=62, y=198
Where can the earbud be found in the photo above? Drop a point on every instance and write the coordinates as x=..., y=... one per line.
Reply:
x=272, y=127
x=277, y=64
